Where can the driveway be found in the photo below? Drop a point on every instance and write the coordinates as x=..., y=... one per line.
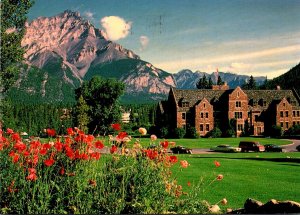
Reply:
x=292, y=147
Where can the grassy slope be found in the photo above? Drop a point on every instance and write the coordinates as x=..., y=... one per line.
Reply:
x=261, y=176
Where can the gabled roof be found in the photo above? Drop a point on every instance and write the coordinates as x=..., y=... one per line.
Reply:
x=270, y=95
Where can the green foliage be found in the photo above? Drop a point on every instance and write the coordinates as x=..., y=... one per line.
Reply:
x=229, y=133
x=288, y=80
x=164, y=132
x=82, y=114
x=34, y=118
x=191, y=132
x=202, y=83
x=179, y=133
x=250, y=85
x=220, y=81
x=101, y=96
x=276, y=131
x=294, y=130
x=214, y=133
x=13, y=17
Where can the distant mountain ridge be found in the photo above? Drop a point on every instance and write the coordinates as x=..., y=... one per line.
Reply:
x=64, y=50
x=186, y=79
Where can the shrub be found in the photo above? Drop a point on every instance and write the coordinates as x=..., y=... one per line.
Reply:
x=164, y=132
x=179, y=133
x=191, y=132
x=229, y=133
x=214, y=133
x=276, y=131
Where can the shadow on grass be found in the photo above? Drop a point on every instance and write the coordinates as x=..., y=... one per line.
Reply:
x=287, y=160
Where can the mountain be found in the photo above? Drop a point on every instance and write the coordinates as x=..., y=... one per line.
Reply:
x=186, y=79
x=64, y=50
x=288, y=80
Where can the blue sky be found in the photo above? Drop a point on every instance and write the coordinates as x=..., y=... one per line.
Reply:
x=253, y=37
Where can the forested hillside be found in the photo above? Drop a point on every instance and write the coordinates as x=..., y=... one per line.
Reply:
x=288, y=80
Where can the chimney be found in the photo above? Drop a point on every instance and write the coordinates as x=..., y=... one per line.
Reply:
x=277, y=87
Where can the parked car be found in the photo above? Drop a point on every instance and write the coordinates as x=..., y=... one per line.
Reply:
x=181, y=150
x=298, y=148
x=272, y=148
x=225, y=148
x=255, y=146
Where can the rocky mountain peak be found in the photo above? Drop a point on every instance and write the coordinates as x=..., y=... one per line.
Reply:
x=71, y=39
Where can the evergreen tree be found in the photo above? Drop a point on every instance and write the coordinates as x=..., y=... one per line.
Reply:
x=220, y=81
x=210, y=83
x=202, y=83
x=251, y=83
x=82, y=114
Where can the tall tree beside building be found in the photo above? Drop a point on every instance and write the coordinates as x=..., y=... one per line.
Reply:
x=250, y=84
x=82, y=114
x=210, y=83
x=101, y=96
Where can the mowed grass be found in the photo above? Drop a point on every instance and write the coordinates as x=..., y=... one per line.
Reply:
x=262, y=176
x=210, y=142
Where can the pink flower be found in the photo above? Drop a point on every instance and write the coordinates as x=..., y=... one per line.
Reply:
x=224, y=201
x=184, y=164
x=220, y=177
x=153, y=137
x=143, y=131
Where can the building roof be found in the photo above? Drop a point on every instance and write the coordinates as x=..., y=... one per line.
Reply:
x=220, y=97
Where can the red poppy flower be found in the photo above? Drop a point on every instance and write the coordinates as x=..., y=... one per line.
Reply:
x=219, y=177
x=84, y=156
x=59, y=146
x=99, y=145
x=151, y=154
x=70, y=131
x=20, y=146
x=70, y=154
x=188, y=183
x=89, y=138
x=26, y=153
x=217, y=164
x=164, y=144
x=43, y=151
x=16, y=137
x=16, y=158
x=51, y=132
x=173, y=159
x=68, y=140
x=113, y=149
x=49, y=162
x=116, y=127
x=92, y=183
x=9, y=131
x=62, y=170
x=95, y=155
x=121, y=135
x=32, y=174
x=1, y=146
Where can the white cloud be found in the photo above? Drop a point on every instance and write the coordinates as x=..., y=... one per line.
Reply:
x=115, y=27
x=89, y=15
x=144, y=40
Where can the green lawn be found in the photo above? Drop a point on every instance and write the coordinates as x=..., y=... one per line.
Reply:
x=209, y=142
x=261, y=176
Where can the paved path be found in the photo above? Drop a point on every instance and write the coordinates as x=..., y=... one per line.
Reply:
x=292, y=147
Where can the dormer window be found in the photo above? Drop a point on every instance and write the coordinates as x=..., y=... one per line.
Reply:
x=185, y=104
x=238, y=104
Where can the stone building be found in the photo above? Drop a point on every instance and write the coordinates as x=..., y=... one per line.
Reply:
x=254, y=111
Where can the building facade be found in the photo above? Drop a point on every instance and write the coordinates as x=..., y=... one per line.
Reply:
x=254, y=111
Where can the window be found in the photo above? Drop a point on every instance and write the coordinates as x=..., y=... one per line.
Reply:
x=238, y=104
x=286, y=125
x=287, y=114
x=281, y=113
x=183, y=115
x=206, y=115
x=201, y=127
x=185, y=104
x=281, y=124
x=203, y=104
x=264, y=103
x=294, y=123
x=298, y=113
x=294, y=113
x=283, y=104
x=256, y=117
x=238, y=115
x=207, y=127
x=240, y=127
x=201, y=114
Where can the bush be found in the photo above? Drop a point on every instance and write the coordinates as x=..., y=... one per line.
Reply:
x=179, y=133
x=229, y=133
x=294, y=130
x=191, y=132
x=276, y=131
x=214, y=133
x=164, y=132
